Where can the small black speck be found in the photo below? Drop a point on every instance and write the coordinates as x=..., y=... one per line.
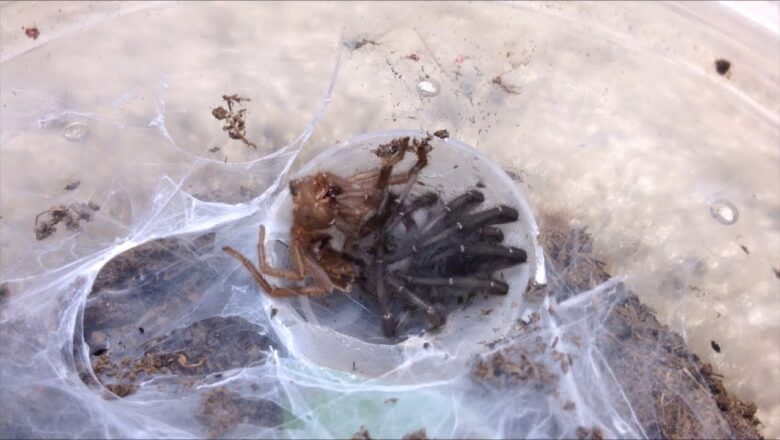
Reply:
x=722, y=406
x=100, y=352
x=722, y=66
x=214, y=149
x=460, y=299
x=218, y=376
x=354, y=367
x=745, y=249
x=72, y=185
x=141, y=330
x=777, y=272
x=715, y=346
x=480, y=184
x=274, y=311
x=426, y=345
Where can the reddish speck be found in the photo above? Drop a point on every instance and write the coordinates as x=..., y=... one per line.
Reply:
x=413, y=57
x=32, y=32
x=459, y=60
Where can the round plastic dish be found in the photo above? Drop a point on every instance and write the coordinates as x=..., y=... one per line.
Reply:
x=340, y=332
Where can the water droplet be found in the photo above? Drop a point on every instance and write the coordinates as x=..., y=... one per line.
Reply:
x=428, y=87
x=75, y=131
x=724, y=211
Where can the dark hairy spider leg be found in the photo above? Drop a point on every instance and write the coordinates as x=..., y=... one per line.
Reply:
x=465, y=202
x=434, y=315
x=421, y=202
x=475, y=258
x=491, y=234
x=484, y=250
x=497, y=215
x=492, y=286
x=463, y=224
x=389, y=321
x=385, y=210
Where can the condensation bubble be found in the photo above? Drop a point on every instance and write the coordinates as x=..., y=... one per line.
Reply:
x=724, y=211
x=75, y=131
x=428, y=87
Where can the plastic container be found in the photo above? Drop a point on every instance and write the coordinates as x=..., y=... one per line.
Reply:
x=341, y=333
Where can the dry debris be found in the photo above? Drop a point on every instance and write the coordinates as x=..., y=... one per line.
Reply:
x=221, y=410
x=361, y=434
x=235, y=121
x=416, y=435
x=70, y=216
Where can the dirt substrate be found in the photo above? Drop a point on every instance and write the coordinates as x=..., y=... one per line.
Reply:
x=136, y=328
x=672, y=392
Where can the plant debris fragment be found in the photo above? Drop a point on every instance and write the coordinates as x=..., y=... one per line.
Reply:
x=122, y=390
x=442, y=134
x=235, y=121
x=594, y=433
x=510, y=89
x=221, y=410
x=71, y=216
x=355, y=45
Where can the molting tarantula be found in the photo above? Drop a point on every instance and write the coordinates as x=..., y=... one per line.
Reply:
x=420, y=252
x=428, y=253
x=324, y=201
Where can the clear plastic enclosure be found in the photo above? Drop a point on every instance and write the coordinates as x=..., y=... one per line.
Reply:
x=640, y=140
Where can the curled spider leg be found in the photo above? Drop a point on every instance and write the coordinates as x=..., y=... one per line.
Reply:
x=391, y=154
x=269, y=289
x=316, y=289
x=409, y=178
x=294, y=275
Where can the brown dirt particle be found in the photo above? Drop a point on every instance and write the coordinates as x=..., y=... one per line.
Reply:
x=32, y=32
x=722, y=66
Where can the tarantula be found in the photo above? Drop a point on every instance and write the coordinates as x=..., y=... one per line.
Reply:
x=354, y=206
x=427, y=252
